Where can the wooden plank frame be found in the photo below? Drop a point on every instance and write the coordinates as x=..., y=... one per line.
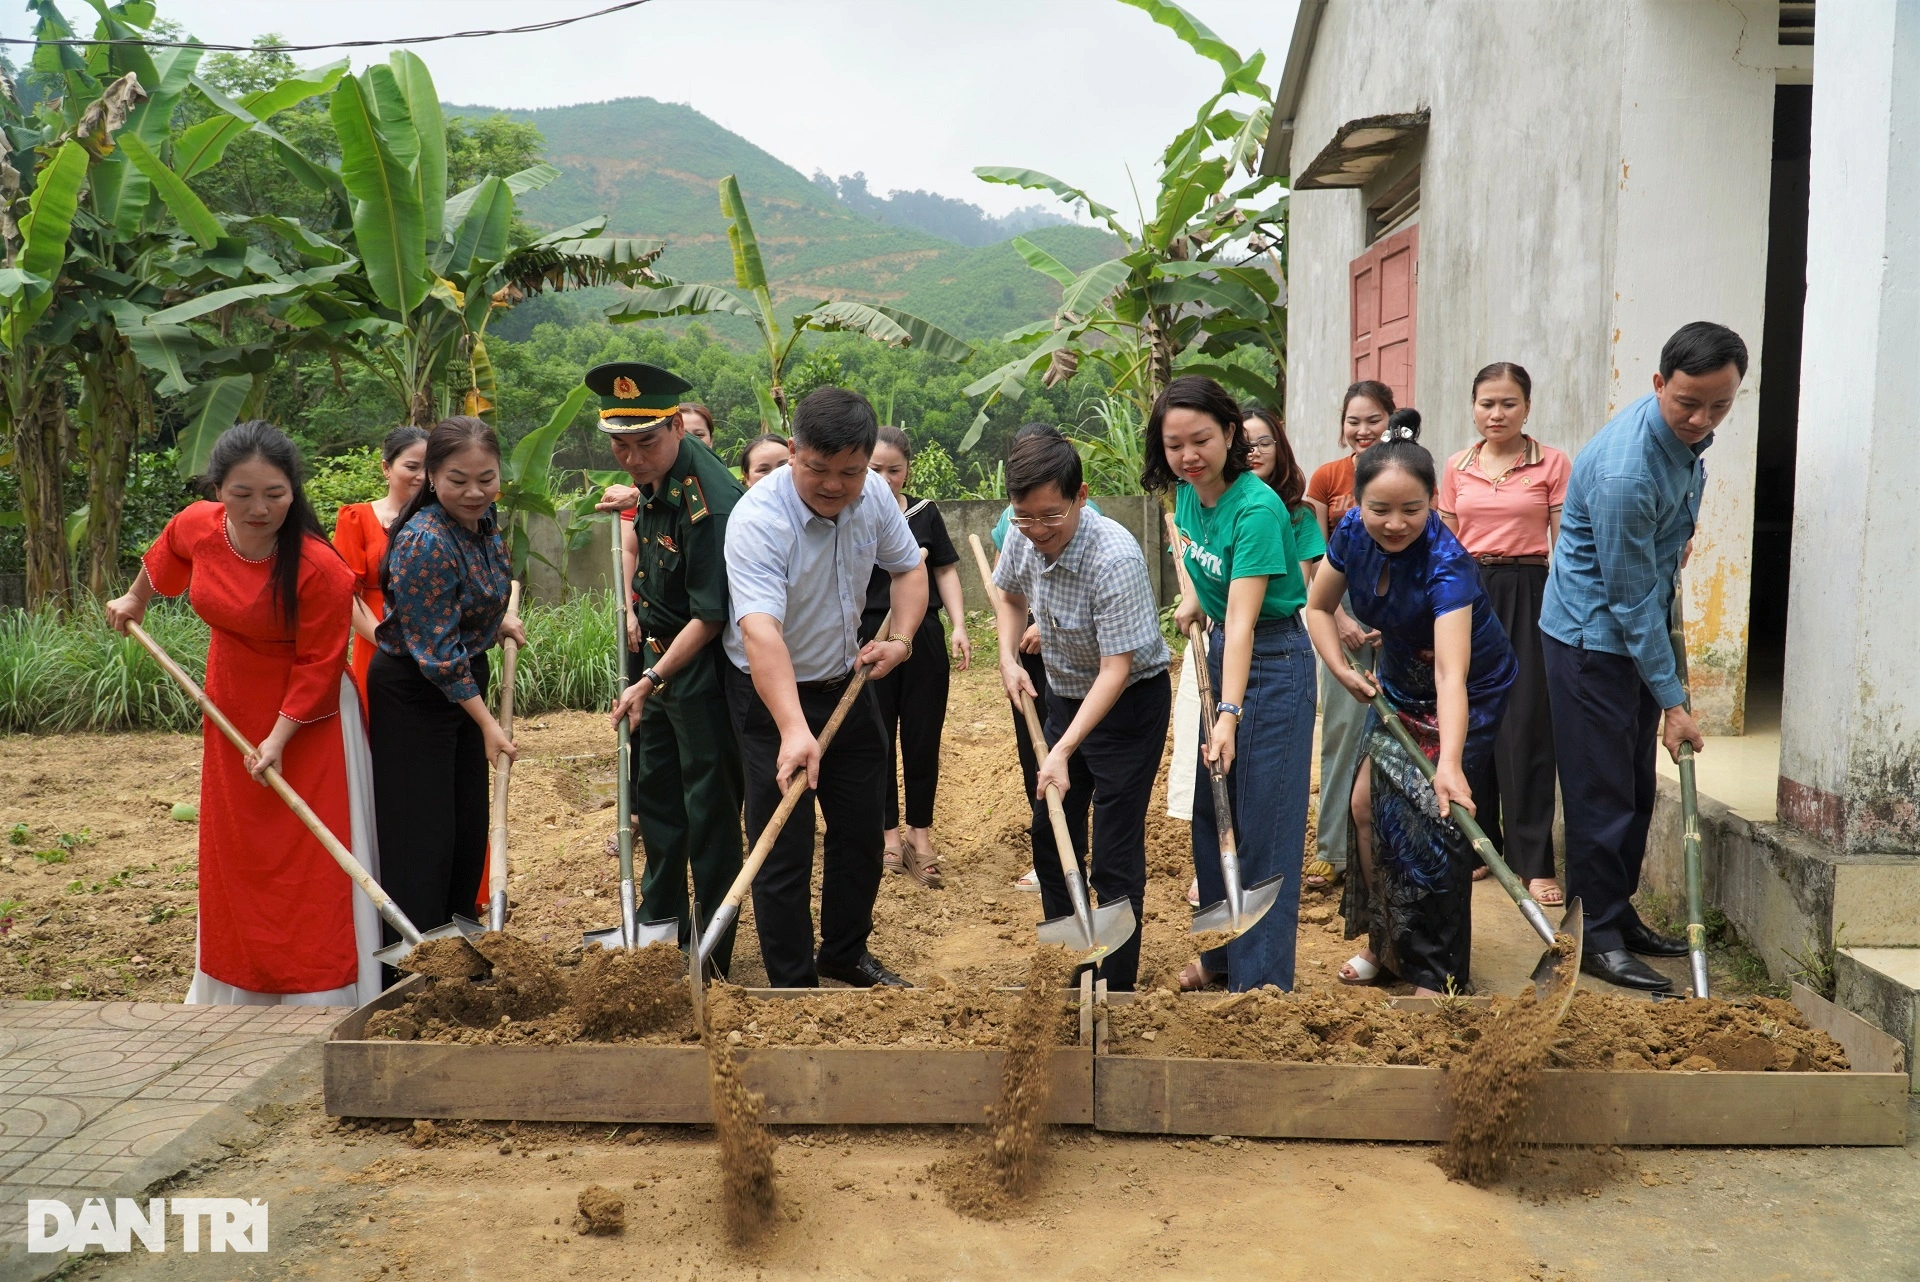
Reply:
x=1165, y=1096
x=596, y=1082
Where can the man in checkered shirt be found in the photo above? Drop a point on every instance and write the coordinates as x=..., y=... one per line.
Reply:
x=1632, y=502
x=1085, y=579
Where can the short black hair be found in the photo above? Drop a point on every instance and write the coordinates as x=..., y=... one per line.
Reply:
x=1040, y=458
x=832, y=420
x=1701, y=348
x=1193, y=392
x=896, y=437
x=1399, y=446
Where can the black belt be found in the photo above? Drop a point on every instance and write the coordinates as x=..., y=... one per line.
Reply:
x=832, y=683
x=1511, y=560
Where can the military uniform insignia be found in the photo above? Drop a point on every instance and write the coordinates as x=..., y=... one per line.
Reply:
x=696, y=500
x=625, y=388
x=668, y=544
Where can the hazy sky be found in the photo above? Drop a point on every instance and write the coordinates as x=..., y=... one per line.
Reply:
x=913, y=92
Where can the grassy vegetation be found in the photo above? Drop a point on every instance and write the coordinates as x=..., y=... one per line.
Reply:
x=75, y=674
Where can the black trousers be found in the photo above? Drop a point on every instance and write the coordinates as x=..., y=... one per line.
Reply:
x=849, y=798
x=1606, y=727
x=1112, y=776
x=913, y=706
x=1040, y=830
x=1514, y=790
x=429, y=792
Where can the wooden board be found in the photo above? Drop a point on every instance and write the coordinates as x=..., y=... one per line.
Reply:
x=588, y=1082
x=1168, y=1096
x=1868, y=1049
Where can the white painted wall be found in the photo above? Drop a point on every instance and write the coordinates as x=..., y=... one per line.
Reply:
x=1567, y=223
x=1850, y=732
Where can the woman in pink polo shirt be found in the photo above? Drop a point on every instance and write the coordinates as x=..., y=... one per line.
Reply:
x=1502, y=499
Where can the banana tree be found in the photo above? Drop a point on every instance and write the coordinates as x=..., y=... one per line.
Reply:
x=1200, y=278
x=753, y=299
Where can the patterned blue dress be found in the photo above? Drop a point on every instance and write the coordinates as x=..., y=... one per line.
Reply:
x=1417, y=911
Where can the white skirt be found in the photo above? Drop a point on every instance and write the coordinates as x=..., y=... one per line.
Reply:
x=1186, y=738
x=208, y=991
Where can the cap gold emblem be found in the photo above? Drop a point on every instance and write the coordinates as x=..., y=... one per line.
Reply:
x=625, y=388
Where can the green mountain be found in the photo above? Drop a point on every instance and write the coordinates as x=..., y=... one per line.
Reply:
x=655, y=168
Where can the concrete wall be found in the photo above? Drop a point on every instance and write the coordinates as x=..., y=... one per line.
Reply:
x=1561, y=226
x=590, y=568
x=1850, y=732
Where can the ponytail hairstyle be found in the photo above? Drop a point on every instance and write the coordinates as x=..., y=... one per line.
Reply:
x=896, y=437
x=257, y=438
x=765, y=438
x=1202, y=394
x=448, y=437
x=1288, y=481
x=1507, y=370
x=1366, y=389
x=399, y=441
x=1399, y=446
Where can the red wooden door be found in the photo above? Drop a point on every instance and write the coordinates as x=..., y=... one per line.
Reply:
x=1385, y=282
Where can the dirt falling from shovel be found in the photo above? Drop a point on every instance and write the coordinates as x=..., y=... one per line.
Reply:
x=746, y=1147
x=1492, y=1086
x=990, y=1180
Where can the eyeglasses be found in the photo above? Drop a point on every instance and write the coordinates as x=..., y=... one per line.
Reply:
x=1260, y=443
x=1052, y=521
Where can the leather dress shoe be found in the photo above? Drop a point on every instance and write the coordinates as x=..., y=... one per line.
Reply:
x=1639, y=938
x=1618, y=966
x=868, y=972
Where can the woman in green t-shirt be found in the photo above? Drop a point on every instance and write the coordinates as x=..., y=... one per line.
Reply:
x=1238, y=546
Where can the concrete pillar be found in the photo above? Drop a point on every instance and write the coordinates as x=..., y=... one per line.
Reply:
x=1850, y=731
x=1695, y=164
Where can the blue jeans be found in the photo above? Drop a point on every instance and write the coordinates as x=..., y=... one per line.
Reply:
x=1267, y=790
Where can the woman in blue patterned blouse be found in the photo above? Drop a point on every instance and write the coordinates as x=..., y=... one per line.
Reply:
x=445, y=578
x=1446, y=666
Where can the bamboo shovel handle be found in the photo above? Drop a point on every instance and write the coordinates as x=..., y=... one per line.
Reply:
x=341, y=855
x=503, y=764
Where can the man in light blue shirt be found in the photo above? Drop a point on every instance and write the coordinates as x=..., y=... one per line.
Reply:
x=1632, y=503
x=801, y=546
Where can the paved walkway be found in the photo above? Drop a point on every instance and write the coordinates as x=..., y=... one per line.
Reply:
x=93, y=1094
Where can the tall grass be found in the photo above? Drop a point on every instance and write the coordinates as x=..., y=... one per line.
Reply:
x=76, y=674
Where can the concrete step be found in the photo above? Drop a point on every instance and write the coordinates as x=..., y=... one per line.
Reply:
x=1882, y=986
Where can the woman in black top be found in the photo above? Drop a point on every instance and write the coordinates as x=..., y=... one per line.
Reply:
x=913, y=697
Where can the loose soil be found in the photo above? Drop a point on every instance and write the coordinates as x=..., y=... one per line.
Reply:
x=1359, y=1027
x=601, y=1211
x=748, y=1195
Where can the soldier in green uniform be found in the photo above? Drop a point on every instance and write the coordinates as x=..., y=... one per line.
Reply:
x=686, y=764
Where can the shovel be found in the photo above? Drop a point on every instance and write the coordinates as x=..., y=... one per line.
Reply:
x=631, y=933
x=1236, y=914
x=704, y=942
x=1091, y=932
x=410, y=938
x=1572, y=921
x=1690, y=821
x=502, y=769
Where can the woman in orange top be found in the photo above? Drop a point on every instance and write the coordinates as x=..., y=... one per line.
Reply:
x=360, y=534
x=279, y=922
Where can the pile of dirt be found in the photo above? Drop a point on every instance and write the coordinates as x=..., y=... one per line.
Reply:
x=945, y=1017
x=988, y=1181
x=533, y=996
x=443, y=959
x=746, y=1146
x=601, y=1212
x=1600, y=1031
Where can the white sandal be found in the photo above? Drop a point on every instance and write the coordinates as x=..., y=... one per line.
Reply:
x=1028, y=881
x=1364, y=971
x=1193, y=893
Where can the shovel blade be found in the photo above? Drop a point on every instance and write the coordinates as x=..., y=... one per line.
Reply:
x=1113, y=924
x=1255, y=901
x=696, y=971
x=644, y=933
x=1563, y=965
x=460, y=928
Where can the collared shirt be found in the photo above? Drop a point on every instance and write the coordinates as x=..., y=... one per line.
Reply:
x=680, y=573
x=446, y=594
x=1510, y=514
x=1093, y=601
x=811, y=573
x=1631, y=507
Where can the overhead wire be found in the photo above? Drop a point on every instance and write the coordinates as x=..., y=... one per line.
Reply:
x=530, y=28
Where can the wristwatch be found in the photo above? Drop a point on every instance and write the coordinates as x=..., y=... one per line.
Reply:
x=905, y=641
x=659, y=682
x=1234, y=708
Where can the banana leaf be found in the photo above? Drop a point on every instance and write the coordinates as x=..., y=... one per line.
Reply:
x=680, y=300
x=389, y=227
x=43, y=239
x=423, y=114
x=201, y=146
x=211, y=409
x=187, y=208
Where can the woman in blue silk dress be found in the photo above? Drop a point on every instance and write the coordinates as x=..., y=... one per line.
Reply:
x=1446, y=667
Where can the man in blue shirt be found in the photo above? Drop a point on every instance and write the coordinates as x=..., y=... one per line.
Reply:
x=1632, y=503
x=801, y=546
